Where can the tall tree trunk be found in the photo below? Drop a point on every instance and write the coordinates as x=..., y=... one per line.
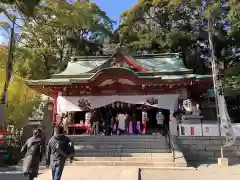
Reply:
x=8, y=70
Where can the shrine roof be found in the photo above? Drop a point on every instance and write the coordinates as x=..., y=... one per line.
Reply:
x=165, y=67
x=66, y=81
x=164, y=63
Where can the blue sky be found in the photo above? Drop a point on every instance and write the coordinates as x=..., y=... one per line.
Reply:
x=113, y=8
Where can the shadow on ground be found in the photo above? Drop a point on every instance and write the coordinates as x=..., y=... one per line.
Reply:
x=12, y=176
x=208, y=162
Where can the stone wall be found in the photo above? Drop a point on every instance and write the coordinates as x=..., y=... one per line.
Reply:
x=206, y=148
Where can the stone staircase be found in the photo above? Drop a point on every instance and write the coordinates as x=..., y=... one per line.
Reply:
x=148, y=150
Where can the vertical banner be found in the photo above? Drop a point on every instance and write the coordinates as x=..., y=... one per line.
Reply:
x=222, y=112
x=226, y=124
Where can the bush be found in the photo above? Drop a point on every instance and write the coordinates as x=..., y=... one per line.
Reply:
x=20, y=101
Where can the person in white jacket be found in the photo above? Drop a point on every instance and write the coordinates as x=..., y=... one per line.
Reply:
x=121, y=123
x=160, y=121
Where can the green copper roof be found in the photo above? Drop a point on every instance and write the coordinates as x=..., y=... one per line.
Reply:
x=158, y=66
x=162, y=63
x=83, y=65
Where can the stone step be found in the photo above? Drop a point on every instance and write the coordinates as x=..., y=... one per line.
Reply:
x=137, y=159
x=120, y=141
x=79, y=138
x=121, y=154
x=98, y=145
x=166, y=150
x=162, y=141
x=122, y=163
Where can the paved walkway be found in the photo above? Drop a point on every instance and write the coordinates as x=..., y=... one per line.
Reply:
x=207, y=172
x=95, y=173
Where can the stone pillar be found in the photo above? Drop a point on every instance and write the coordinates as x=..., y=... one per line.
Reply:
x=47, y=121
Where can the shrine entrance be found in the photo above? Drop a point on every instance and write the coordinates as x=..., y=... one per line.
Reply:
x=152, y=126
x=79, y=122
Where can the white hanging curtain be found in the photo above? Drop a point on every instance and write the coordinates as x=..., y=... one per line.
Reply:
x=71, y=103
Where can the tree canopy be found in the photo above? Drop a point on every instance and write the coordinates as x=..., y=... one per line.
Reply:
x=26, y=7
x=182, y=26
x=62, y=28
x=20, y=100
x=59, y=30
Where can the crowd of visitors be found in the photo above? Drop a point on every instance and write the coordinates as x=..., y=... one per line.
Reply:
x=59, y=149
x=107, y=122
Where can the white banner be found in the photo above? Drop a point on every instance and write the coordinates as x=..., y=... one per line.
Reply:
x=226, y=124
x=222, y=111
x=78, y=103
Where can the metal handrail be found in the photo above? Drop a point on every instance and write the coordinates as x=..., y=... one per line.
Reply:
x=170, y=142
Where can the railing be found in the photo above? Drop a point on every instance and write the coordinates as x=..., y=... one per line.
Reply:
x=170, y=142
x=204, y=129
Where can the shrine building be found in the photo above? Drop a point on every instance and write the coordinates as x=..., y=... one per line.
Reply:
x=122, y=81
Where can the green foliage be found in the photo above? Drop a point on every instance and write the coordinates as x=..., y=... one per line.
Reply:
x=59, y=30
x=20, y=100
x=161, y=26
x=19, y=112
x=26, y=7
x=234, y=19
x=182, y=26
x=3, y=56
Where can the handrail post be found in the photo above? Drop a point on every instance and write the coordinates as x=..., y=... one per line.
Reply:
x=170, y=143
x=169, y=140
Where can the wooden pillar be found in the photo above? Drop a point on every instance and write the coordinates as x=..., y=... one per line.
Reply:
x=54, y=114
x=54, y=109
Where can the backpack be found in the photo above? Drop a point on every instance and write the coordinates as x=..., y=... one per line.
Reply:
x=66, y=145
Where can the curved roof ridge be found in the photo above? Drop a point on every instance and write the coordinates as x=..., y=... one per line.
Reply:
x=97, y=58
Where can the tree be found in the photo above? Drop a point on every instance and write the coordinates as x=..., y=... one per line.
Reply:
x=179, y=26
x=161, y=26
x=233, y=18
x=59, y=30
x=20, y=101
x=27, y=7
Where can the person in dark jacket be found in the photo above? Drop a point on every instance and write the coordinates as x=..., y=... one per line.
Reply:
x=59, y=148
x=34, y=148
x=134, y=123
x=107, y=122
x=95, y=122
